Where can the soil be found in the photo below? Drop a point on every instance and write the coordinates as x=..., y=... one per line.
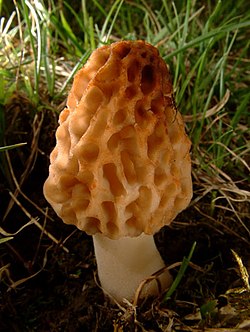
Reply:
x=52, y=286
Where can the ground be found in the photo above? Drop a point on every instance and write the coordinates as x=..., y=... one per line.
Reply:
x=48, y=273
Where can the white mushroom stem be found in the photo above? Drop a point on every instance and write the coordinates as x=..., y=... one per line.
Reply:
x=124, y=263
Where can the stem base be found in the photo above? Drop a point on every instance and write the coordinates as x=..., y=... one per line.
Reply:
x=124, y=263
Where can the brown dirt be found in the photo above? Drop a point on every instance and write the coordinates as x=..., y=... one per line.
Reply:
x=64, y=295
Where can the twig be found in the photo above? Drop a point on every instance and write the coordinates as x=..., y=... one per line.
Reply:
x=37, y=124
x=34, y=220
x=212, y=111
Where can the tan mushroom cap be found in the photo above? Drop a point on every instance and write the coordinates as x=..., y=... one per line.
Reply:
x=121, y=164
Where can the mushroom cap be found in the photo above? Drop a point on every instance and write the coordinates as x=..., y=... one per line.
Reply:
x=121, y=164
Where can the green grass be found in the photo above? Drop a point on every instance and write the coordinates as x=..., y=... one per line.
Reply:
x=180, y=274
x=205, y=45
x=198, y=42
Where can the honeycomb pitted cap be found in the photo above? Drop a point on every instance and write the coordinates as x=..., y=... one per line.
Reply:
x=121, y=164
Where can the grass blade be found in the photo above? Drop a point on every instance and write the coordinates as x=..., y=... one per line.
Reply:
x=9, y=147
x=180, y=274
x=218, y=32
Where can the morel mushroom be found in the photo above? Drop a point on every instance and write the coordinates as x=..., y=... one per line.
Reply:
x=121, y=167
